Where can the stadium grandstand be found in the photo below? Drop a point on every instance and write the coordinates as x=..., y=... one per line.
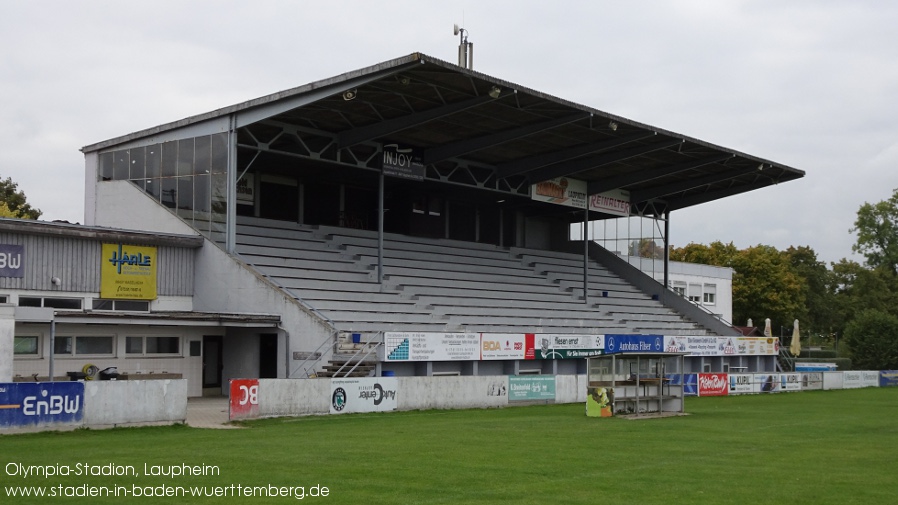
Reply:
x=419, y=197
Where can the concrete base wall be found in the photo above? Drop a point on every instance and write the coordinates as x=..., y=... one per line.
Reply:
x=419, y=393
x=122, y=403
x=294, y=397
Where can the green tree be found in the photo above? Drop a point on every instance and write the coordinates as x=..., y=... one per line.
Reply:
x=877, y=233
x=818, y=316
x=765, y=285
x=717, y=254
x=13, y=199
x=872, y=339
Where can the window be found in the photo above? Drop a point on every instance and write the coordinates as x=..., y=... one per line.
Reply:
x=152, y=345
x=710, y=295
x=25, y=346
x=679, y=288
x=54, y=303
x=85, y=346
x=695, y=293
x=121, y=305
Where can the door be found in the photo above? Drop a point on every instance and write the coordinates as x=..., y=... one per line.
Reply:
x=212, y=363
x=268, y=354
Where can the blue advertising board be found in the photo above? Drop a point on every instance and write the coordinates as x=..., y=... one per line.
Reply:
x=24, y=404
x=888, y=378
x=12, y=260
x=633, y=343
x=689, y=382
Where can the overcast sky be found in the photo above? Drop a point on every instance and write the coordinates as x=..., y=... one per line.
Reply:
x=810, y=84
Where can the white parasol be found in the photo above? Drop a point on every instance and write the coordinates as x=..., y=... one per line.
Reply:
x=795, y=347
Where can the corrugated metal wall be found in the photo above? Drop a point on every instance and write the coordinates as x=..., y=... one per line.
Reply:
x=77, y=264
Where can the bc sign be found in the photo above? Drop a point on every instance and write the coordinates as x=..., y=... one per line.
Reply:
x=244, y=399
x=11, y=259
x=128, y=272
x=25, y=404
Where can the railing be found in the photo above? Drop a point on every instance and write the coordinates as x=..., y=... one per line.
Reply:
x=330, y=340
x=358, y=360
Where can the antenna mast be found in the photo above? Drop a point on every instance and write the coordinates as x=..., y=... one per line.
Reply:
x=465, y=48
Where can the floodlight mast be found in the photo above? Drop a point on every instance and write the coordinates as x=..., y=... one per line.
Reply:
x=465, y=48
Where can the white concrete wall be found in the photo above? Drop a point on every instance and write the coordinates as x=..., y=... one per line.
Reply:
x=293, y=397
x=222, y=283
x=117, y=403
x=7, y=338
x=419, y=393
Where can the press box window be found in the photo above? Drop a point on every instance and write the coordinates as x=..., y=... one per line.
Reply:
x=25, y=346
x=710, y=294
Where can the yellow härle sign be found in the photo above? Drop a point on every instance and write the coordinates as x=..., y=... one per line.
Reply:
x=128, y=272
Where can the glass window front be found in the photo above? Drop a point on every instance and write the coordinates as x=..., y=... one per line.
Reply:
x=25, y=346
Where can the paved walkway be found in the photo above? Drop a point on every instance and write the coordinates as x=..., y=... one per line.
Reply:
x=208, y=412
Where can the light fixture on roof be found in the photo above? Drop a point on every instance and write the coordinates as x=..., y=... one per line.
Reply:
x=612, y=125
x=404, y=80
x=761, y=166
x=495, y=91
x=350, y=94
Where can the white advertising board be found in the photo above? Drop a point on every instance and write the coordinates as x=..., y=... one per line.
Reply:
x=741, y=384
x=615, y=202
x=368, y=394
x=860, y=379
x=722, y=346
x=561, y=191
x=495, y=346
x=431, y=346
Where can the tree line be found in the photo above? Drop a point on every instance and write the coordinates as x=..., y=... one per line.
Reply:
x=848, y=305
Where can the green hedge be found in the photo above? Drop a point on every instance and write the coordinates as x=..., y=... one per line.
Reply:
x=821, y=354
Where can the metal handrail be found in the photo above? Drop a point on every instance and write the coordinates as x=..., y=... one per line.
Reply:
x=328, y=340
x=359, y=360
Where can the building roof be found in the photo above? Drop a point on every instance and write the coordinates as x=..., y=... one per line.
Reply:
x=513, y=136
x=69, y=230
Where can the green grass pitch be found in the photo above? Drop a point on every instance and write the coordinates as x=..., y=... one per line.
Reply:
x=826, y=447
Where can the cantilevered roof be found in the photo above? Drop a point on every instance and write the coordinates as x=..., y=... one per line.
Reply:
x=510, y=134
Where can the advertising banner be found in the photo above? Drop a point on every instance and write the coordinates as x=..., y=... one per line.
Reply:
x=369, y=394
x=561, y=191
x=888, y=378
x=549, y=346
x=24, y=404
x=402, y=162
x=244, y=399
x=811, y=381
x=741, y=384
x=506, y=346
x=689, y=382
x=531, y=387
x=634, y=343
x=599, y=402
x=712, y=384
x=615, y=202
x=722, y=346
x=768, y=382
x=431, y=346
x=12, y=260
x=128, y=272
x=860, y=379
x=790, y=382
x=246, y=189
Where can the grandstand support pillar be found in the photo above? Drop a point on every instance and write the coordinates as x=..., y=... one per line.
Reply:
x=586, y=256
x=380, y=228
x=231, y=219
x=666, y=251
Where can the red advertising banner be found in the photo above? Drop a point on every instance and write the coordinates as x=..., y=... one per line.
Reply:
x=713, y=384
x=244, y=402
